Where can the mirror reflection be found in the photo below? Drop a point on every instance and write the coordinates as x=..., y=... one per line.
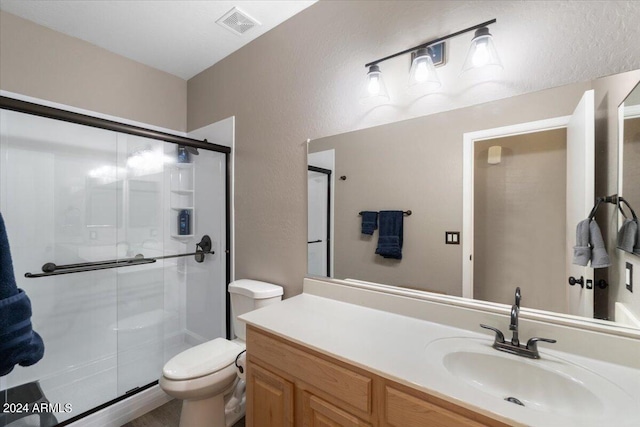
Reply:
x=629, y=234
x=495, y=190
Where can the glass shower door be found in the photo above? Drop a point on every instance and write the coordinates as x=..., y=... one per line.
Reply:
x=73, y=194
x=60, y=187
x=140, y=289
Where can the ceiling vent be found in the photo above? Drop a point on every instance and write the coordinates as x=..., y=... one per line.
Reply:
x=237, y=21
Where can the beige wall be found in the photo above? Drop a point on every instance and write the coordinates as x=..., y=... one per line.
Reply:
x=302, y=80
x=42, y=63
x=417, y=164
x=520, y=220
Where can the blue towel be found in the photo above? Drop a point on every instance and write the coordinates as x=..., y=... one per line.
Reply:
x=19, y=344
x=369, y=222
x=8, y=286
x=390, y=234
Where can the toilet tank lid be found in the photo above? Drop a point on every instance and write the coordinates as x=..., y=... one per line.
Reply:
x=201, y=360
x=255, y=289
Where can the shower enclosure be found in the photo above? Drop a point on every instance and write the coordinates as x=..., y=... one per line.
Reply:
x=106, y=225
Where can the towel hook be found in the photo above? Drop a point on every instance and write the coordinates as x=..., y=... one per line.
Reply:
x=623, y=200
x=609, y=199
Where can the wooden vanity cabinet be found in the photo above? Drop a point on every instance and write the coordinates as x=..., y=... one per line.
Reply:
x=291, y=385
x=272, y=398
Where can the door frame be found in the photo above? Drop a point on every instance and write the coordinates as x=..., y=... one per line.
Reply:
x=329, y=175
x=468, y=149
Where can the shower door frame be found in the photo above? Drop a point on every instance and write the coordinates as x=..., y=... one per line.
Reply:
x=20, y=106
x=328, y=173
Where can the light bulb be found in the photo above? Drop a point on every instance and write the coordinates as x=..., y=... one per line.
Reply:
x=422, y=75
x=374, y=89
x=374, y=84
x=422, y=72
x=481, y=55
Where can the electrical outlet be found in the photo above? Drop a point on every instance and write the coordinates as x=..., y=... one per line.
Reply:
x=629, y=277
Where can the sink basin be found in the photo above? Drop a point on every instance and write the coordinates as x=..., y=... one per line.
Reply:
x=549, y=385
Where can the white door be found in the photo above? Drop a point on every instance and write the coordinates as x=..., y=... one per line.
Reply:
x=580, y=199
x=318, y=210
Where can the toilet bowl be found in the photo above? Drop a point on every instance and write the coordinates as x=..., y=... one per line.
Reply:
x=206, y=377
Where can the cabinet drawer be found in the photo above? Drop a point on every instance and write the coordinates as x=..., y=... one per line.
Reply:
x=318, y=413
x=343, y=384
x=404, y=410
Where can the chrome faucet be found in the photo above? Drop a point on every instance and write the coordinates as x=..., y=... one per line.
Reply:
x=514, y=347
x=513, y=326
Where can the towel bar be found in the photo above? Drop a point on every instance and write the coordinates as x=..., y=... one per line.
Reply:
x=50, y=269
x=406, y=213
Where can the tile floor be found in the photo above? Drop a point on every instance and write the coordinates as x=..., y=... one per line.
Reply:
x=167, y=415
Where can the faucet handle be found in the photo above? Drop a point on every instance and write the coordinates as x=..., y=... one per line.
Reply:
x=518, y=296
x=499, y=335
x=532, y=344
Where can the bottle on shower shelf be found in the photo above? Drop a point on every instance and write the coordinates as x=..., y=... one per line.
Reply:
x=183, y=154
x=184, y=222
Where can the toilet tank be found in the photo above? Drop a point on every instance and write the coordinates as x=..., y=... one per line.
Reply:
x=248, y=295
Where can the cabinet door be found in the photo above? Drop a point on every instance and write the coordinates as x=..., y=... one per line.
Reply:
x=318, y=413
x=269, y=399
x=404, y=410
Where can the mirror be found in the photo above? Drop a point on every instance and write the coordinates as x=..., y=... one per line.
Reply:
x=629, y=186
x=422, y=165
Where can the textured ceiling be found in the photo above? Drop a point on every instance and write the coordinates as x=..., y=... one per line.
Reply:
x=180, y=37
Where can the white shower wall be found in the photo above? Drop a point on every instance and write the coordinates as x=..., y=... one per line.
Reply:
x=71, y=193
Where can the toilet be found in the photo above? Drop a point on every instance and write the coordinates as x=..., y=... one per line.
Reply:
x=205, y=377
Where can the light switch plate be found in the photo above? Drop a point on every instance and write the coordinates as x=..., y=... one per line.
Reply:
x=452, y=237
x=629, y=277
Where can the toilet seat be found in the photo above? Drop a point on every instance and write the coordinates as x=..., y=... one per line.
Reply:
x=201, y=360
x=201, y=387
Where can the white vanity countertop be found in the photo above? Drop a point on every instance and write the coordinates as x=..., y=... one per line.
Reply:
x=394, y=346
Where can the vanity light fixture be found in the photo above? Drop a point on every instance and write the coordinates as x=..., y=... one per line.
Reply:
x=422, y=72
x=374, y=87
x=482, y=52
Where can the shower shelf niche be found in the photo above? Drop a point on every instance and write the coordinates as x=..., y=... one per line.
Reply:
x=182, y=198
